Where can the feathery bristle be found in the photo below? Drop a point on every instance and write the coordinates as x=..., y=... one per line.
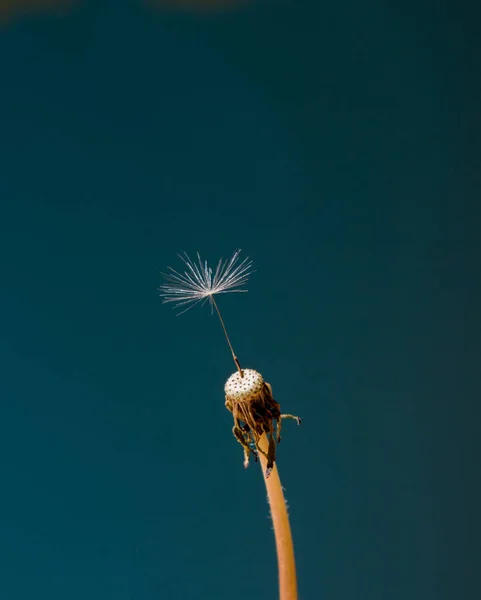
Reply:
x=199, y=283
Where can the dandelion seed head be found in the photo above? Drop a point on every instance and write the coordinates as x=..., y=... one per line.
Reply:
x=244, y=388
x=199, y=282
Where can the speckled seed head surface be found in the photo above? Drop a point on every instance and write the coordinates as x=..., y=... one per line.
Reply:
x=244, y=389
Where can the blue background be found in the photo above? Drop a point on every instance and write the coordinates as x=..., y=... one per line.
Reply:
x=339, y=146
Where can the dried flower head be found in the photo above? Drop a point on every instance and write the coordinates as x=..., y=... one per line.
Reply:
x=249, y=398
x=200, y=283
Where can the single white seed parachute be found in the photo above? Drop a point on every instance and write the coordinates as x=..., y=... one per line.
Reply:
x=199, y=282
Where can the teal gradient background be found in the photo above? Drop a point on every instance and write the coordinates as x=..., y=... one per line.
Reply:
x=339, y=146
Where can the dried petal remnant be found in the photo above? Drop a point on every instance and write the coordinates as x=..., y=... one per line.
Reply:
x=249, y=398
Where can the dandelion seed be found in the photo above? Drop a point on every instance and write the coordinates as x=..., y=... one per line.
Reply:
x=198, y=283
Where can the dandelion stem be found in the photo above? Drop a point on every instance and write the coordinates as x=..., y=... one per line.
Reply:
x=236, y=360
x=282, y=530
